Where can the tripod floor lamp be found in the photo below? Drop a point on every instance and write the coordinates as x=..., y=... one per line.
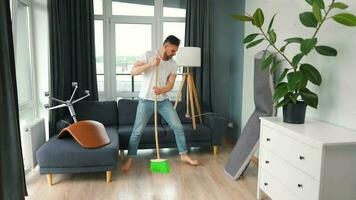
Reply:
x=189, y=57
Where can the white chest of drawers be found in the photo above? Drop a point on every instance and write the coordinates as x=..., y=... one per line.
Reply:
x=310, y=161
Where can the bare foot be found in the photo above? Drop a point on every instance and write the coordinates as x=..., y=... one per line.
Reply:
x=189, y=160
x=127, y=166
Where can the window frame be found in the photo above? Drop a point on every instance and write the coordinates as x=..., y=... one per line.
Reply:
x=109, y=20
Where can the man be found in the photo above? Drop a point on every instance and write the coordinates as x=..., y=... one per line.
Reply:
x=166, y=78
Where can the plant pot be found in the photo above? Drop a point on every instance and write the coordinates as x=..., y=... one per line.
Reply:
x=294, y=113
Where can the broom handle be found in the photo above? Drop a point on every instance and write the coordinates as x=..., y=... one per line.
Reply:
x=156, y=129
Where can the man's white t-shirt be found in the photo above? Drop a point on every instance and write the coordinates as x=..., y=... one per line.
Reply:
x=166, y=68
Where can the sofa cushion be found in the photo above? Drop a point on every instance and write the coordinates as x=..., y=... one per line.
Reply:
x=66, y=152
x=127, y=112
x=104, y=112
x=147, y=137
x=202, y=133
x=181, y=110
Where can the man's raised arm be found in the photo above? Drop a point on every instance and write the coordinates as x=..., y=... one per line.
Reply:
x=140, y=66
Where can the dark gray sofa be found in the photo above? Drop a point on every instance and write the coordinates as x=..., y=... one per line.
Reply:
x=204, y=135
x=67, y=156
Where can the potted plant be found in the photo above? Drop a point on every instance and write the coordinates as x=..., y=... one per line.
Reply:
x=291, y=90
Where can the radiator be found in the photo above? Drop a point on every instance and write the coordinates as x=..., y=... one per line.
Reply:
x=33, y=136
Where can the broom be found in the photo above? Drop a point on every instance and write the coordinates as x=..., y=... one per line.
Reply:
x=158, y=165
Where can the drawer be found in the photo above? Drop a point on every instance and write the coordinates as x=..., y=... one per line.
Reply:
x=274, y=189
x=301, y=155
x=294, y=179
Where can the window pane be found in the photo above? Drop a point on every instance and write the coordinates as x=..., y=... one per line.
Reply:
x=174, y=28
x=98, y=7
x=123, y=83
x=99, y=53
x=131, y=41
x=174, y=8
x=23, y=55
x=133, y=7
x=137, y=81
x=100, y=80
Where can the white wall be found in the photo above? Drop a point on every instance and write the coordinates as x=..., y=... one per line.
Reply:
x=337, y=94
x=41, y=53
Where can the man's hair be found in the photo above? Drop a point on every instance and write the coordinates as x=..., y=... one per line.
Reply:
x=171, y=39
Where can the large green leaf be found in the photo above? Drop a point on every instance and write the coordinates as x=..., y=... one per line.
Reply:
x=283, y=75
x=258, y=18
x=339, y=5
x=310, y=2
x=285, y=101
x=308, y=19
x=242, y=18
x=272, y=36
x=293, y=79
x=307, y=45
x=275, y=65
x=271, y=23
x=326, y=51
x=346, y=19
x=309, y=97
x=294, y=40
x=250, y=37
x=294, y=97
x=311, y=73
x=283, y=48
x=280, y=91
x=254, y=43
x=317, y=12
x=303, y=83
x=320, y=3
x=296, y=59
x=267, y=62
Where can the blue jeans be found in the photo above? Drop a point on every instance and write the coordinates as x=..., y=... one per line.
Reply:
x=145, y=110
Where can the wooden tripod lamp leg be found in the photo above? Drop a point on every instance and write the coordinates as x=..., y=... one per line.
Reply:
x=196, y=100
x=187, y=99
x=191, y=100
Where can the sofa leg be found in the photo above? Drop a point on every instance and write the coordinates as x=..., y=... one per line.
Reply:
x=49, y=179
x=108, y=176
x=215, y=147
x=122, y=154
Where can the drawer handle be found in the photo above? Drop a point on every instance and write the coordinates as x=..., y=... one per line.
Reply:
x=266, y=184
x=268, y=139
x=300, y=185
x=301, y=158
x=267, y=162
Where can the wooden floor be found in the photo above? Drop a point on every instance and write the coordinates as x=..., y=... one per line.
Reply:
x=207, y=181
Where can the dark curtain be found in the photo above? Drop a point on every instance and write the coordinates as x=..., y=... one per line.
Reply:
x=72, y=52
x=197, y=35
x=12, y=176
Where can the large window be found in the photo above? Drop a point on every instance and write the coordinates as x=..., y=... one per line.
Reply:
x=124, y=30
x=25, y=76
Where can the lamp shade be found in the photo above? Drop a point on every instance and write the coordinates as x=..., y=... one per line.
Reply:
x=188, y=57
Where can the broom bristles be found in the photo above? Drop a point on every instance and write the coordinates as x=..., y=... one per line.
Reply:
x=160, y=166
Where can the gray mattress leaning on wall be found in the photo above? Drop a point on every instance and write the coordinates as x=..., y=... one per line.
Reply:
x=248, y=142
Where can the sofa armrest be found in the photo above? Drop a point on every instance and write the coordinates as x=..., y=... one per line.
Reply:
x=218, y=126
